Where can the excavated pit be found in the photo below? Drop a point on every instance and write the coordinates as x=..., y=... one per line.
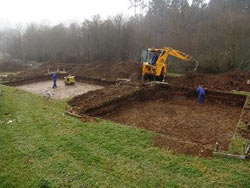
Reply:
x=183, y=125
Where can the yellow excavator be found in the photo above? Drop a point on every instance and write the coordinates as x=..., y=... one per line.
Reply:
x=155, y=62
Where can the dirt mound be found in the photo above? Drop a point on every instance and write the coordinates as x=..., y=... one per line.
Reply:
x=13, y=66
x=109, y=70
x=101, y=70
x=129, y=70
x=234, y=80
x=27, y=75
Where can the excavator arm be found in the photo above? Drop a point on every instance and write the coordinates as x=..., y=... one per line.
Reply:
x=180, y=55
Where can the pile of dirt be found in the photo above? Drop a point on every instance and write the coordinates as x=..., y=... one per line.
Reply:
x=129, y=70
x=234, y=80
x=13, y=66
x=109, y=70
x=27, y=75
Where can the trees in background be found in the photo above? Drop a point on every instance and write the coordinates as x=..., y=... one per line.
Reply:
x=217, y=34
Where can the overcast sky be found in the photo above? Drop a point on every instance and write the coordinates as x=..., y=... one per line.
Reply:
x=14, y=12
x=54, y=11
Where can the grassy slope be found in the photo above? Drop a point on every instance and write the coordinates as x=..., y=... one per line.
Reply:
x=45, y=148
x=238, y=141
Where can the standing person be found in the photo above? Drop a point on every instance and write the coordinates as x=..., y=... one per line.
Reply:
x=201, y=94
x=54, y=80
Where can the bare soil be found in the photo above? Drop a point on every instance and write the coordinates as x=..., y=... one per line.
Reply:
x=109, y=70
x=184, y=123
x=234, y=80
x=13, y=66
x=62, y=90
x=96, y=98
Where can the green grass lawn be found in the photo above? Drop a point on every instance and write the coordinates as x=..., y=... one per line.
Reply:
x=42, y=147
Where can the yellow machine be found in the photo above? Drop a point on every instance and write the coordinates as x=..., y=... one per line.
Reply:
x=155, y=62
x=69, y=80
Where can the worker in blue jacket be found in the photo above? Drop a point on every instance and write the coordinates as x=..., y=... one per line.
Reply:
x=154, y=59
x=54, y=80
x=201, y=94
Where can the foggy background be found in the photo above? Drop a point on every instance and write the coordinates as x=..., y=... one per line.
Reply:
x=216, y=32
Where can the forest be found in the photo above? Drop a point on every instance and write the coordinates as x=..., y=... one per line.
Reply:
x=216, y=33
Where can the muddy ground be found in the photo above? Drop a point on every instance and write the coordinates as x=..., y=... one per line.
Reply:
x=80, y=104
x=184, y=125
x=111, y=71
x=233, y=80
x=62, y=90
x=13, y=66
x=183, y=120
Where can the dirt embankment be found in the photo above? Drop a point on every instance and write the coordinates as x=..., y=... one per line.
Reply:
x=234, y=80
x=184, y=125
x=27, y=76
x=93, y=99
x=109, y=71
x=97, y=72
x=13, y=66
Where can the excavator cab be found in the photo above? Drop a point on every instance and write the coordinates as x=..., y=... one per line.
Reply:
x=150, y=56
x=152, y=62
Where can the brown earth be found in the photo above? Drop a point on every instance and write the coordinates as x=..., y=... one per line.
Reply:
x=109, y=71
x=183, y=125
x=28, y=75
x=99, y=72
x=13, y=66
x=184, y=120
x=99, y=69
x=94, y=99
x=234, y=80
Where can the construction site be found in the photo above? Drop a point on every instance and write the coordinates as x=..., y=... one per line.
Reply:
x=129, y=93
x=115, y=92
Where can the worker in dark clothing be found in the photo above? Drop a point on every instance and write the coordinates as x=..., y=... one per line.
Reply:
x=54, y=80
x=154, y=59
x=201, y=94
